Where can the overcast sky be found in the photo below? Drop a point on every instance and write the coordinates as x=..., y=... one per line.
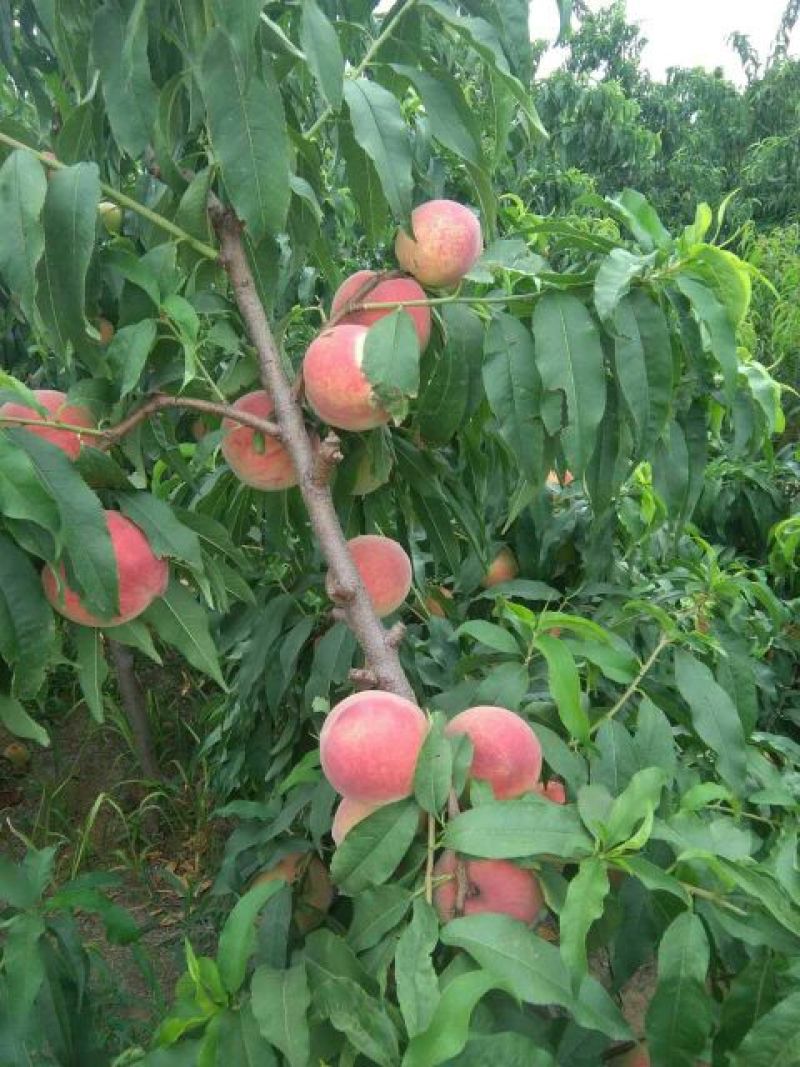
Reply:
x=684, y=33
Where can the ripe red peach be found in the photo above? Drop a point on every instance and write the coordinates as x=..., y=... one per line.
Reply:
x=348, y=814
x=554, y=790
x=255, y=459
x=503, y=568
x=336, y=387
x=505, y=750
x=385, y=570
x=388, y=291
x=446, y=242
x=308, y=875
x=57, y=406
x=369, y=745
x=492, y=886
x=142, y=577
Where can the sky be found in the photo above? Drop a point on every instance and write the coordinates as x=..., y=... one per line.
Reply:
x=684, y=33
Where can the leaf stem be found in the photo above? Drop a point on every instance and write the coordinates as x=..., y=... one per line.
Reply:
x=128, y=202
x=623, y=700
x=391, y=19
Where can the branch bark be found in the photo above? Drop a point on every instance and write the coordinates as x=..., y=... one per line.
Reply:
x=381, y=657
x=134, y=704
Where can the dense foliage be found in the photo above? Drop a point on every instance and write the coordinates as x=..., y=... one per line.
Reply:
x=603, y=394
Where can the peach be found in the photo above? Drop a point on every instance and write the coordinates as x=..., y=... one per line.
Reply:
x=505, y=750
x=309, y=875
x=336, y=387
x=385, y=570
x=554, y=790
x=110, y=215
x=347, y=815
x=555, y=482
x=106, y=330
x=503, y=568
x=492, y=886
x=446, y=242
x=259, y=461
x=57, y=406
x=433, y=602
x=634, y=1057
x=369, y=745
x=142, y=577
x=390, y=290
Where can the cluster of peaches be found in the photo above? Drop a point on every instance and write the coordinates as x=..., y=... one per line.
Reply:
x=369, y=746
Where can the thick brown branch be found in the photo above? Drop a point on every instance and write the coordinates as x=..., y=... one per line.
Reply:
x=381, y=659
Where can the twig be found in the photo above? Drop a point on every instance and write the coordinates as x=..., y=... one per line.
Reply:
x=462, y=880
x=50, y=161
x=637, y=681
x=362, y=678
x=380, y=657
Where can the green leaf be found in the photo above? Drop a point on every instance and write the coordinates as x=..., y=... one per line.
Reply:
x=721, y=332
x=637, y=803
x=415, y=977
x=238, y=936
x=518, y=829
x=166, y=533
x=375, y=912
x=248, y=132
x=728, y=276
x=641, y=218
x=87, y=550
x=569, y=357
x=27, y=630
x=714, y=717
x=679, y=1017
x=532, y=969
x=511, y=1049
x=773, y=1040
x=434, y=770
x=643, y=362
x=280, y=1002
x=564, y=684
x=22, y=192
x=92, y=668
x=182, y=621
x=323, y=54
x=583, y=905
x=127, y=354
x=19, y=723
x=374, y=847
x=119, y=48
x=23, y=966
x=379, y=127
x=360, y=1018
x=753, y=991
x=613, y=279
x=391, y=362
x=491, y=635
x=513, y=390
x=240, y=20
x=451, y=377
x=449, y=1029
x=452, y=122
x=365, y=185
x=70, y=221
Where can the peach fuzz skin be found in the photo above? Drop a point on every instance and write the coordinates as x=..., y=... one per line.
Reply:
x=267, y=468
x=506, y=751
x=141, y=574
x=492, y=886
x=385, y=570
x=503, y=568
x=635, y=1057
x=336, y=387
x=446, y=242
x=61, y=411
x=391, y=289
x=349, y=814
x=369, y=745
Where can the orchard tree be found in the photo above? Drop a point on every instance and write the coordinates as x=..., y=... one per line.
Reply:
x=344, y=366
